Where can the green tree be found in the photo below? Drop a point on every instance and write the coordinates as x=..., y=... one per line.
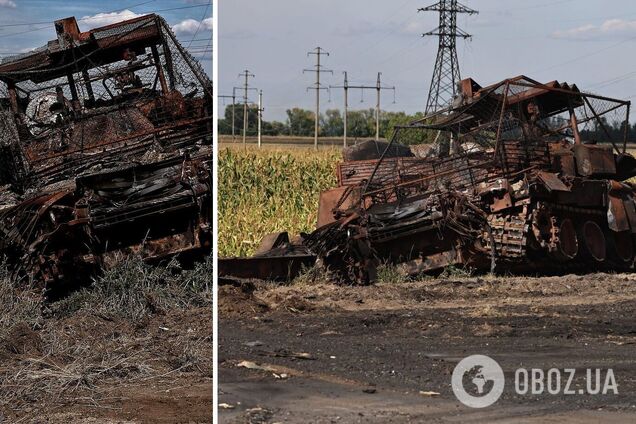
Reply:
x=225, y=124
x=361, y=123
x=300, y=122
x=332, y=123
x=274, y=128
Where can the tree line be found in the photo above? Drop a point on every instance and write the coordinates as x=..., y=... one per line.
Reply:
x=300, y=122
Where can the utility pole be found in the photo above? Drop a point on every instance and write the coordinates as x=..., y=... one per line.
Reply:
x=260, y=116
x=233, y=97
x=318, y=51
x=345, y=86
x=378, y=87
x=247, y=75
x=446, y=72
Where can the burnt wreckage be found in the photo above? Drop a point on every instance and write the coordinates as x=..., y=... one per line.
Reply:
x=505, y=182
x=105, y=140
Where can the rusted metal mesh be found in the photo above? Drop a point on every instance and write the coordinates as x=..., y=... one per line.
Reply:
x=472, y=131
x=136, y=112
x=105, y=150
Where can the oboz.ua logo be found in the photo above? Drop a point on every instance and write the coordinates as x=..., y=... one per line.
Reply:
x=478, y=381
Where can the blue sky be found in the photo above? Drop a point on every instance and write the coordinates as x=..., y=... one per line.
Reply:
x=24, y=24
x=587, y=42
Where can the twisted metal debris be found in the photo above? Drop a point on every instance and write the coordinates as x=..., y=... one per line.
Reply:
x=504, y=181
x=105, y=149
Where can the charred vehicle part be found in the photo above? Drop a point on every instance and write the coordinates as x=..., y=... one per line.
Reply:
x=105, y=140
x=507, y=184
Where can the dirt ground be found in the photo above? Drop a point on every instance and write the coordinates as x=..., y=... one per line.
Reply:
x=329, y=354
x=90, y=368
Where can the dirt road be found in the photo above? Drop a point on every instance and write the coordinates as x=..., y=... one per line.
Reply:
x=328, y=354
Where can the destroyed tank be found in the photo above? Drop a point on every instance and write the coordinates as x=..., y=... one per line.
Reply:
x=509, y=183
x=105, y=151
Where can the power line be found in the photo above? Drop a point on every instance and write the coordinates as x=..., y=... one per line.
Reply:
x=378, y=87
x=88, y=18
x=205, y=13
x=535, y=6
x=584, y=56
x=83, y=19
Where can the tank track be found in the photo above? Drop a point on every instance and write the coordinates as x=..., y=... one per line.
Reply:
x=509, y=233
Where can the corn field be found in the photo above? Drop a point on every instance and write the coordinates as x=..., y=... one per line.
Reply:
x=265, y=191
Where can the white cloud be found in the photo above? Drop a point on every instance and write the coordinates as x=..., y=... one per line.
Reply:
x=609, y=28
x=102, y=19
x=415, y=28
x=190, y=26
x=8, y=3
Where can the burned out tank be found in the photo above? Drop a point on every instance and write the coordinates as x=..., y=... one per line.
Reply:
x=105, y=150
x=509, y=183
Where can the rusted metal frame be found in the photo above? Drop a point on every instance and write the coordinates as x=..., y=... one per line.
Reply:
x=574, y=125
x=41, y=210
x=605, y=112
x=90, y=79
x=600, y=121
x=483, y=96
x=481, y=127
x=87, y=83
x=504, y=102
x=464, y=155
x=71, y=83
x=167, y=54
x=119, y=140
x=398, y=232
x=25, y=73
x=574, y=93
x=153, y=210
x=187, y=57
x=58, y=168
x=274, y=267
x=552, y=131
x=13, y=97
x=626, y=129
x=423, y=179
x=375, y=169
x=73, y=88
x=509, y=80
x=159, y=67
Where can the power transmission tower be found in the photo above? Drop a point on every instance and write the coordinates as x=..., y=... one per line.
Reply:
x=318, y=69
x=446, y=72
x=247, y=75
x=378, y=87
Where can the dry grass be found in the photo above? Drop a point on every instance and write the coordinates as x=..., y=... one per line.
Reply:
x=135, y=323
x=134, y=289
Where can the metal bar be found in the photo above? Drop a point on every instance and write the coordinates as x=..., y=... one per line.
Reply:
x=577, y=93
x=162, y=76
x=600, y=121
x=626, y=128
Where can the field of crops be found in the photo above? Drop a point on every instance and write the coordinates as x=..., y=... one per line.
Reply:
x=269, y=190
